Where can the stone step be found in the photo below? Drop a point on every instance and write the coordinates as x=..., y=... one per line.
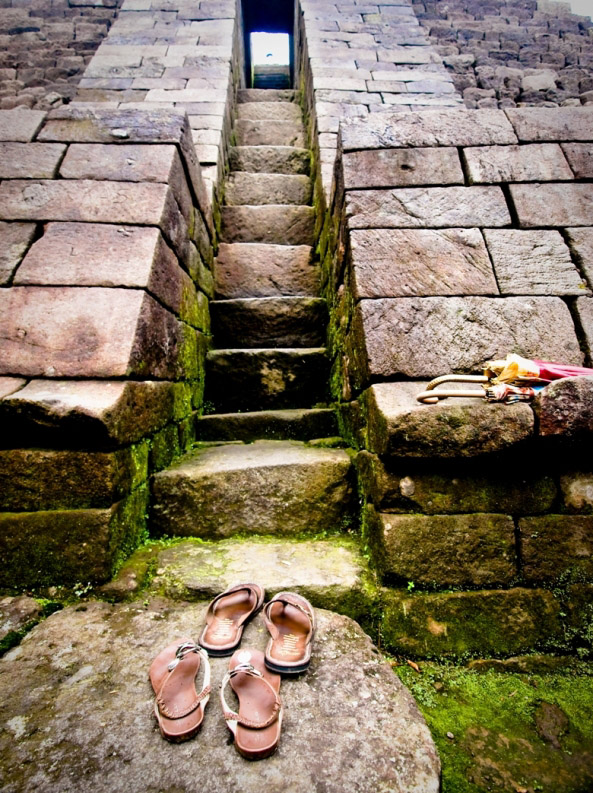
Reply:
x=304, y=424
x=269, y=322
x=281, y=488
x=266, y=379
x=269, y=133
x=278, y=224
x=279, y=111
x=253, y=269
x=267, y=188
x=265, y=95
x=92, y=658
x=270, y=159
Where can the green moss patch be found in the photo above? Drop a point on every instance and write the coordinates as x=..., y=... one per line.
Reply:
x=501, y=731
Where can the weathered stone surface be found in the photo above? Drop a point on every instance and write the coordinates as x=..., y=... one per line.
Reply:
x=269, y=322
x=577, y=491
x=581, y=244
x=554, y=204
x=543, y=123
x=447, y=550
x=260, y=270
x=9, y=385
x=234, y=489
x=92, y=332
x=400, y=263
x=553, y=546
x=426, y=337
x=565, y=408
x=580, y=158
x=265, y=95
x=533, y=263
x=267, y=188
x=428, y=128
x=584, y=310
x=401, y=167
x=20, y=124
x=30, y=160
x=68, y=546
x=402, y=487
x=400, y=426
x=266, y=379
x=304, y=424
x=17, y=613
x=432, y=207
x=270, y=159
x=269, y=133
x=100, y=254
x=15, y=238
x=387, y=745
x=484, y=622
x=278, y=111
x=90, y=412
x=38, y=479
x=536, y=162
x=282, y=225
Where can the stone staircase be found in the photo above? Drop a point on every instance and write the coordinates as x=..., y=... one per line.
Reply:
x=266, y=466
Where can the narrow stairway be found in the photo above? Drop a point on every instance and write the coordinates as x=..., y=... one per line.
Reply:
x=265, y=466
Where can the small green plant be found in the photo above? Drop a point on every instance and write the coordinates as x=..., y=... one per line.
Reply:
x=411, y=586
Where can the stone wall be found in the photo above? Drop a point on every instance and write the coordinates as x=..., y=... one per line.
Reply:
x=46, y=46
x=106, y=245
x=454, y=243
x=503, y=53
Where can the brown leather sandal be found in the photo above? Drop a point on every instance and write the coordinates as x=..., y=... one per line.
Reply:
x=256, y=727
x=179, y=709
x=226, y=617
x=290, y=619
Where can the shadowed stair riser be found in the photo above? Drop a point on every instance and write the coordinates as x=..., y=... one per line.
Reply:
x=270, y=159
x=269, y=133
x=304, y=424
x=278, y=111
x=267, y=188
x=281, y=225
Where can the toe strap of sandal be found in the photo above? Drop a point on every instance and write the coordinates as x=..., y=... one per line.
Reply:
x=181, y=653
x=286, y=601
x=234, y=718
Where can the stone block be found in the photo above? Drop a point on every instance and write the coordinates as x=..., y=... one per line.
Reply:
x=277, y=111
x=263, y=270
x=577, y=491
x=92, y=201
x=92, y=332
x=454, y=488
x=388, y=130
x=426, y=337
x=8, y=385
x=267, y=188
x=432, y=207
x=486, y=622
x=533, y=263
x=401, y=167
x=39, y=479
x=580, y=158
x=15, y=239
x=100, y=254
x=90, y=413
x=535, y=162
x=581, y=244
x=30, y=160
x=65, y=547
x=269, y=133
x=565, y=408
x=129, y=163
x=303, y=424
x=553, y=204
x=554, y=124
x=584, y=312
x=554, y=546
x=19, y=124
x=402, y=262
x=279, y=225
x=407, y=55
x=270, y=159
x=446, y=551
x=17, y=614
x=399, y=426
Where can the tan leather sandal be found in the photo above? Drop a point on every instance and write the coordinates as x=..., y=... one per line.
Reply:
x=290, y=619
x=179, y=708
x=256, y=727
x=226, y=617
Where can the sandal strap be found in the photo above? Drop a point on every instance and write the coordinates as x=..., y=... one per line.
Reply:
x=182, y=651
x=256, y=591
x=230, y=715
x=287, y=602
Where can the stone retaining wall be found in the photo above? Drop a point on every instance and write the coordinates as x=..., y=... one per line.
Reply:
x=107, y=240
x=455, y=242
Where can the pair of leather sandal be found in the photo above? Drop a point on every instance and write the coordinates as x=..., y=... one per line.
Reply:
x=254, y=676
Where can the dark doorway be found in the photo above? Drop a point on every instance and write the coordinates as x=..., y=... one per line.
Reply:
x=268, y=16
